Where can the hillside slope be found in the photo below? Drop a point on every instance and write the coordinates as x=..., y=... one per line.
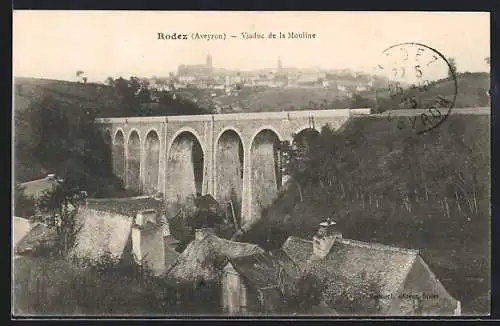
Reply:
x=429, y=192
x=59, y=114
x=28, y=90
x=472, y=92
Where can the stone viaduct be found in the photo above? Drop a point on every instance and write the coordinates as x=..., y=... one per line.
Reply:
x=231, y=156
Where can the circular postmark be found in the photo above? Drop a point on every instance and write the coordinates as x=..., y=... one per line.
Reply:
x=420, y=88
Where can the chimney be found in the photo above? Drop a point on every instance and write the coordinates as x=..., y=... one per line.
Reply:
x=324, y=239
x=201, y=233
x=145, y=216
x=164, y=225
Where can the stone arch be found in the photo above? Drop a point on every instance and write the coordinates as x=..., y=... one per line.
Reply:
x=307, y=128
x=185, y=167
x=268, y=127
x=119, y=131
x=183, y=130
x=134, y=161
x=151, y=161
x=265, y=175
x=229, y=158
x=119, y=154
x=306, y=136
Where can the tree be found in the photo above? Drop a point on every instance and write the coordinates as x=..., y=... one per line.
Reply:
x=359, y=101
x=59, y=209
x=24, y=206
x=110, y=81
x=52, y=129
x=453, y=67
x=81, y=74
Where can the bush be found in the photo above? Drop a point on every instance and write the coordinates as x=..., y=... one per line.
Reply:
x=54, y=286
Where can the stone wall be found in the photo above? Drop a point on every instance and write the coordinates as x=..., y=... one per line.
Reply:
x=229, y=171
x=151, y=163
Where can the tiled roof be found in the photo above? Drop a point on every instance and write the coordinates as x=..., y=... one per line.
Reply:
x=102, y=232
x=20, y=227
x=355, y=266
x=299, y=250
x=205, y=258
x=37, y=188
x=39, y=236
x=291, y=268
x=170, y=255
x=128, y=206
x=260, y=270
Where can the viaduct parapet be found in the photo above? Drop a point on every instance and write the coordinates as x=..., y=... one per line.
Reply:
x=230, y=156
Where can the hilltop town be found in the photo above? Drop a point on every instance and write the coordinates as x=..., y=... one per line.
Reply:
x=225, y=90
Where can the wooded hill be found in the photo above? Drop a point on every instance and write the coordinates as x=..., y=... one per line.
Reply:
x=428, y=192
x=54, y=130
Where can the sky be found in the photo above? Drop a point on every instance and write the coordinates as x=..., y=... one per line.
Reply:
x=55, y=44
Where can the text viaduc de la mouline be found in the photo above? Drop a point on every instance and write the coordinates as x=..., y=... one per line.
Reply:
x=242, y=36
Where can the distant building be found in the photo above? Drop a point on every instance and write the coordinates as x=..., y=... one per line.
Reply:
x=310, y=78
x=200, y=70
x=342, y=88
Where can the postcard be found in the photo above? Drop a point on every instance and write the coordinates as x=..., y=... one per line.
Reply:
x=226, y=163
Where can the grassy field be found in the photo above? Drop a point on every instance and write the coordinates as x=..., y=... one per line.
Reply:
x=472, y=91
x=77, y=94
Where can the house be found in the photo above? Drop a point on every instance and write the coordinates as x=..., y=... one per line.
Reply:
x=31, y=238
x=127, y=206
x=382, y=279
x=254, y=284
x=307, y=79
x=37, y=188
x=205, y=257
x=358, y=278
x=143, y=239
x=249, y=279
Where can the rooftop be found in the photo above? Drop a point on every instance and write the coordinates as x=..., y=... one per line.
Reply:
x=204, y=258
x=355, y=266
x=37, y=188
x=101, y=233
x=128, y=206
x=260, y=270
x=31, y=237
